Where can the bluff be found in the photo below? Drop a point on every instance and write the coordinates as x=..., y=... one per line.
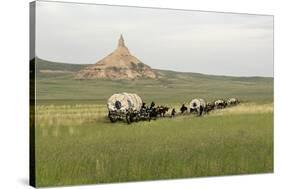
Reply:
x=120, y=64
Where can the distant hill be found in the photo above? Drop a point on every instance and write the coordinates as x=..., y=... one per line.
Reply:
x=44, y=65
x=49, y=67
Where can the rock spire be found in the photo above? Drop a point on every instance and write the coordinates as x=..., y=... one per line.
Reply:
x=120, y=64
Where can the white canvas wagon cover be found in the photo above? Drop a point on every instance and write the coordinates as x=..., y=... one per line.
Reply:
x=124, y=101
x=195, y=103
x=218, y=102
x=232, y=100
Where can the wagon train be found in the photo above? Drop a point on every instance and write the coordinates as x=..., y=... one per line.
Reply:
x=130, y=107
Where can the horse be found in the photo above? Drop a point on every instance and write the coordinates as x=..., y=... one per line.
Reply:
x=173, y=113
x=152, y=113
x=183, y=108
x=161, y=110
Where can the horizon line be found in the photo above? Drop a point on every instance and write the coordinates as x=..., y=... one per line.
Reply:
x=161, y=69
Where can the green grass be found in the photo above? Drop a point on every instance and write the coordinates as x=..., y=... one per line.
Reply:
x=171, y=87
x=65, y=89
x=187, y=146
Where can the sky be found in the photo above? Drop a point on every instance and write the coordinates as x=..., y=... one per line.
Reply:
x=178, y=40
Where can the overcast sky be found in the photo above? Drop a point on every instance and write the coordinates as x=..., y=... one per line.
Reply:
x=187, y=41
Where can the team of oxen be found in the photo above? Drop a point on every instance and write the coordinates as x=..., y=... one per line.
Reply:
x=131, y=108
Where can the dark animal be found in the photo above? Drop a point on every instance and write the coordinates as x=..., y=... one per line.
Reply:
x=183, y=109
x=162, y=110
x=144, y=113
x=173, y=113
x=152, y=113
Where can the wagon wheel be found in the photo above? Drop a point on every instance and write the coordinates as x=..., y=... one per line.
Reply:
x=111, y=118
x=137, y=118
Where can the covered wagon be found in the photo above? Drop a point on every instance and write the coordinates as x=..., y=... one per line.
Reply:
x=232, y=101
x=124, y=106
x=219, y=104
x=197, y=105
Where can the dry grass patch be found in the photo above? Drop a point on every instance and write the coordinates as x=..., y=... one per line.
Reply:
x=247, y=108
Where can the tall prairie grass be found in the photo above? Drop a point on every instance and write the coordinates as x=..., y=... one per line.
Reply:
x=60, y=115
x=76, y=144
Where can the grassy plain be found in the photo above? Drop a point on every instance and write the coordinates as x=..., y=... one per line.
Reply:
x=76, y=143
x=78, y=148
